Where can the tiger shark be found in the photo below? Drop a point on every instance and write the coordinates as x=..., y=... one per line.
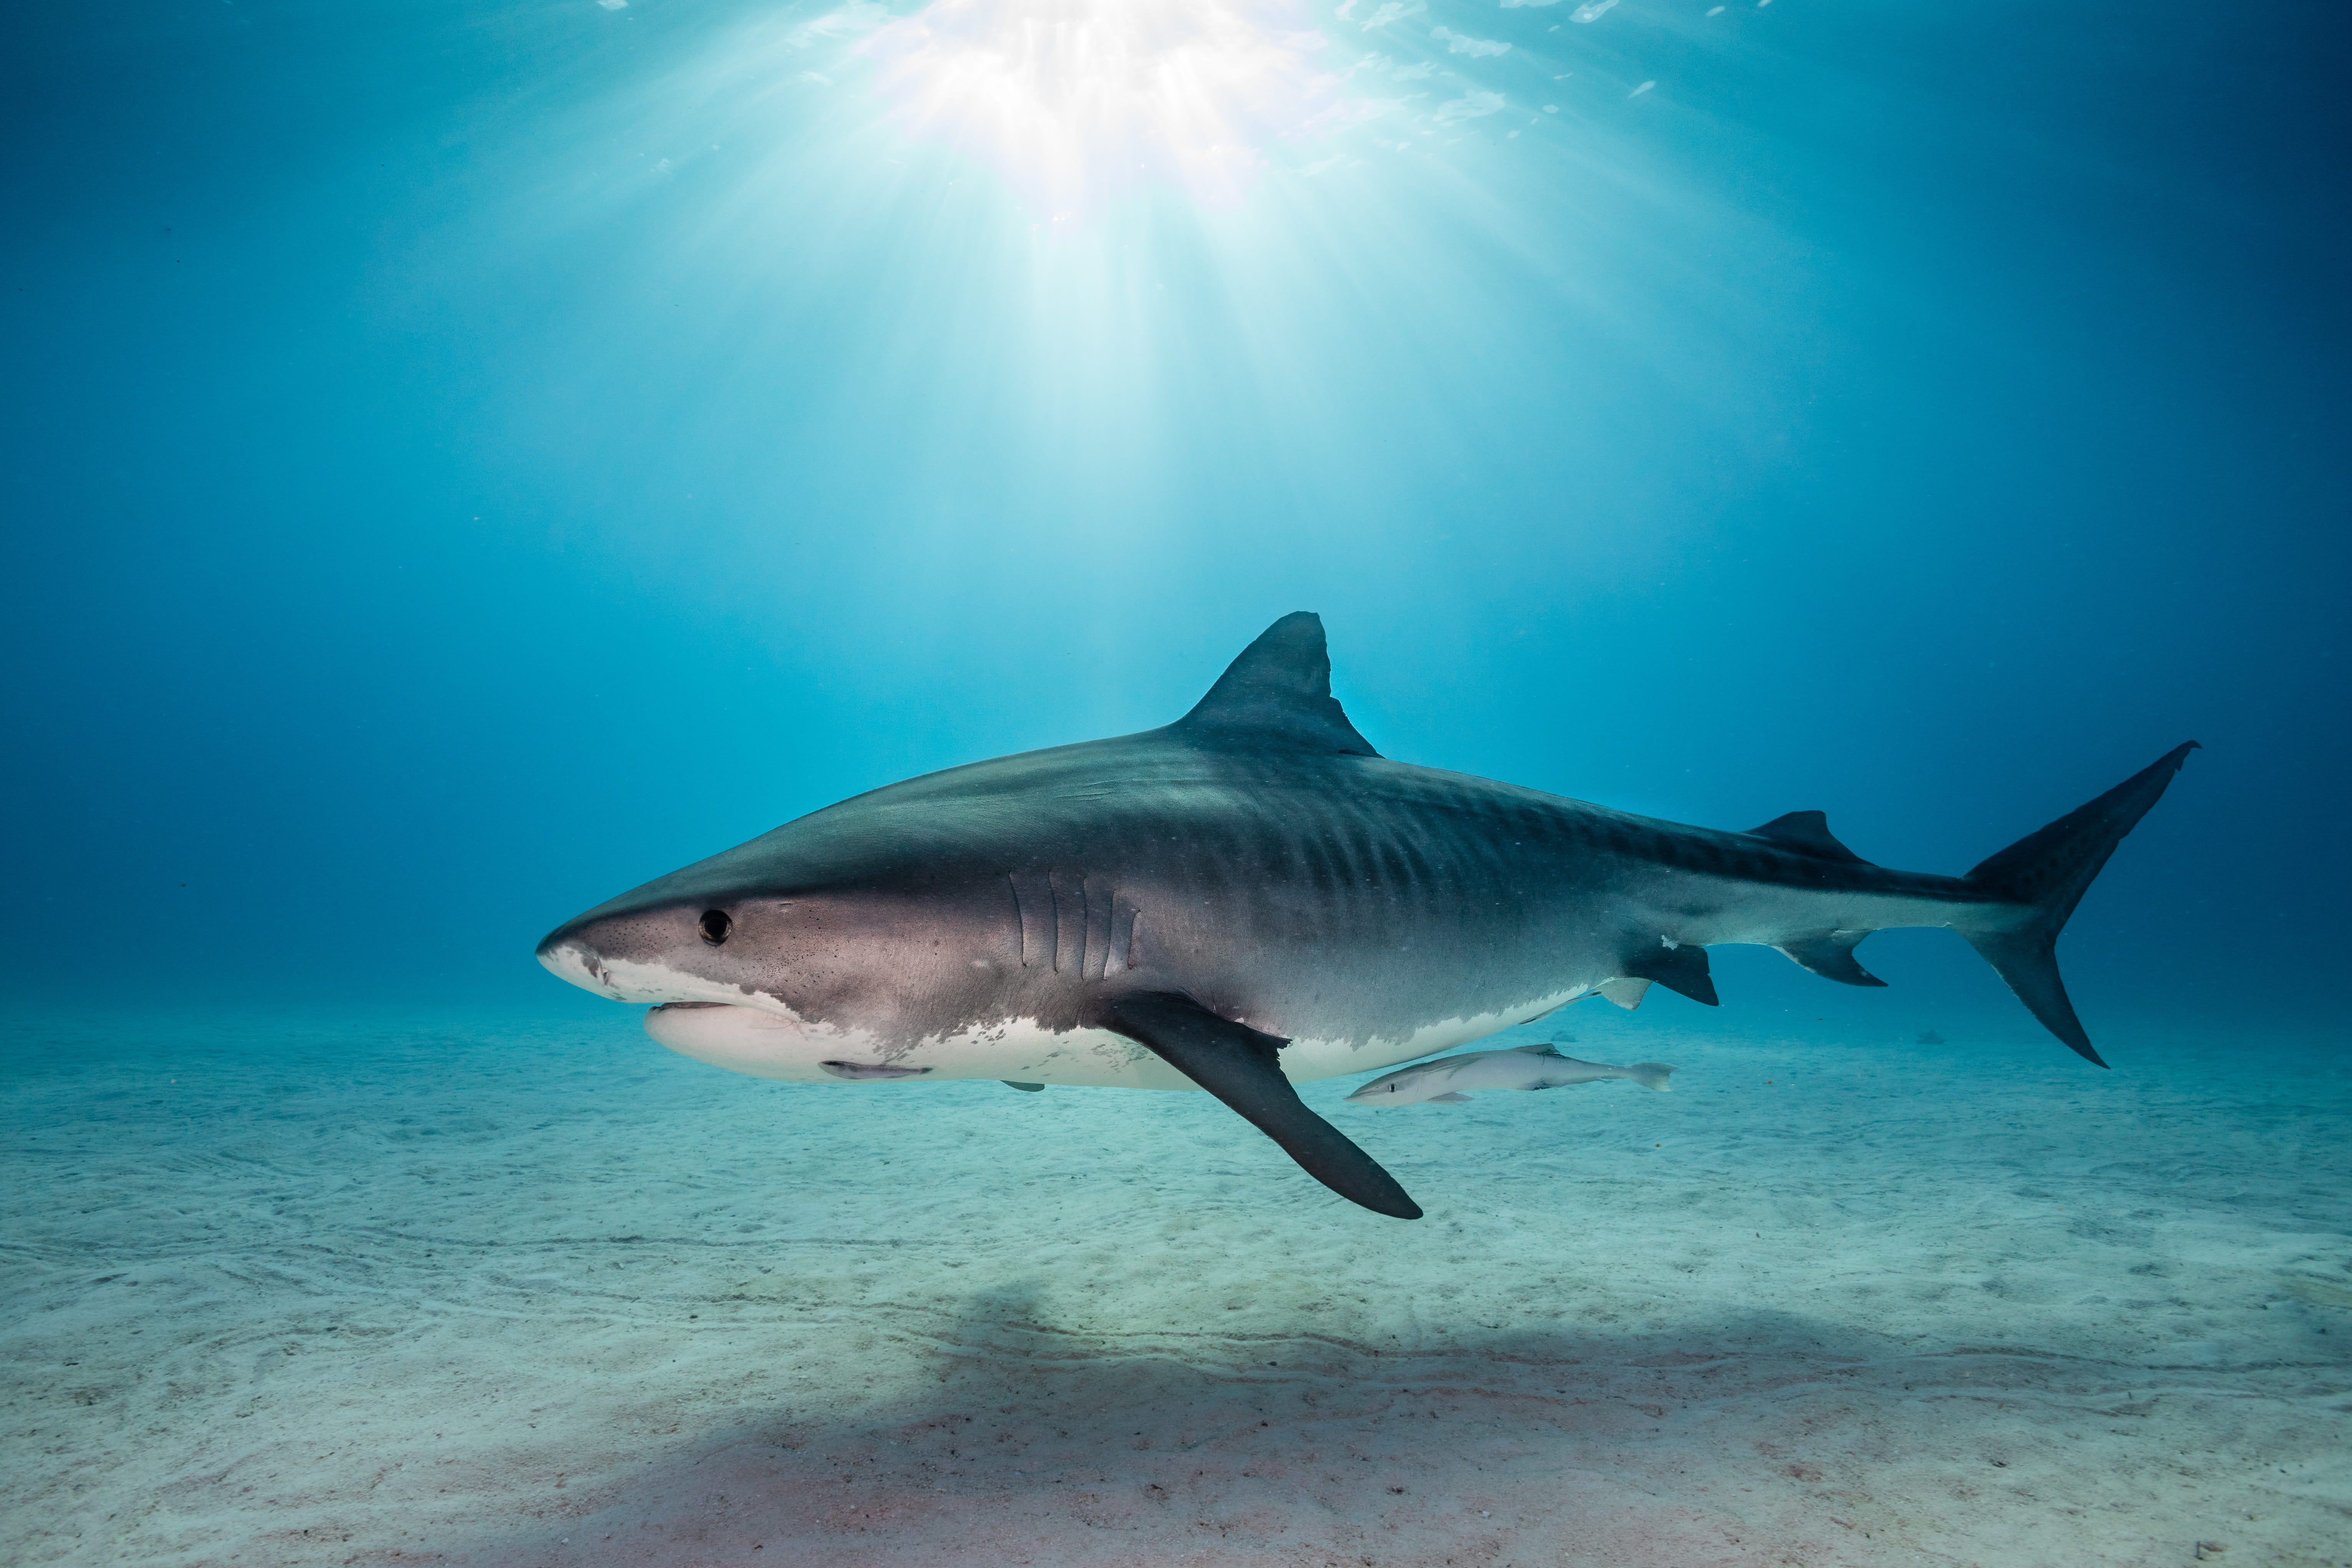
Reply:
x=1252, y=897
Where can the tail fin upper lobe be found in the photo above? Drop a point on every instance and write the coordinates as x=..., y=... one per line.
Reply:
x=2050, y=870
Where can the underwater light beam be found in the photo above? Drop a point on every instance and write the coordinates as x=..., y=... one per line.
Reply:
x=1076, y=102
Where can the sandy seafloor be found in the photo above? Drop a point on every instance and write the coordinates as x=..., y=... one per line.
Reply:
x=287, y=1291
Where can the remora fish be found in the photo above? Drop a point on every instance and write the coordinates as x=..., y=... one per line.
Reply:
x=1449, y=1080
x=1253, y=895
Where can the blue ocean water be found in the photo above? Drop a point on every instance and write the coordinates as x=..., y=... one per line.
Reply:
x=468, y=460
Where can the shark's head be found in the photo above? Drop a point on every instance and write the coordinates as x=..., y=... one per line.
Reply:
x=713, y=951
x=724, y=930
x=757, y=952
x=721, y=970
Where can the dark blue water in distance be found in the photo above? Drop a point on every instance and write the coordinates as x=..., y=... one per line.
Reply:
x=426, y=523
x=463, y=461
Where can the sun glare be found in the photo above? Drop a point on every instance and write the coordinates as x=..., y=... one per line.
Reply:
x=1075, y=101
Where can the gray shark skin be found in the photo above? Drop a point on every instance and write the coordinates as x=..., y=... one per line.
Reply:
x=1449, y=1081
x=1252, y=896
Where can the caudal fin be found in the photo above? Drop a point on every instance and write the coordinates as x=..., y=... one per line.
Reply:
x=1651, y=1075
x=2050, y=870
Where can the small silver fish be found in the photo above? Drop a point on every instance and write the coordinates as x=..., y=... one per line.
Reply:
x=861, y=1072
x=1440, y=1082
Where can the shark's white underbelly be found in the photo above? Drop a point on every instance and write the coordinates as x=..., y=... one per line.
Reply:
x=765, y=1044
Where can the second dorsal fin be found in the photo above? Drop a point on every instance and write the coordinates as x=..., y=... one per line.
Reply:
x=1807, y=832
x=1279, y=692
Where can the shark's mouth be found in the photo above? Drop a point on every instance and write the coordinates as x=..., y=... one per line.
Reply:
x=650, y=983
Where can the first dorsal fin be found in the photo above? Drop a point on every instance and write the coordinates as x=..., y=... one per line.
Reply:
x=1277, y=692
x=1807, y=832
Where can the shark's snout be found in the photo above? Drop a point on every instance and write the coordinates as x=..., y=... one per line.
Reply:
x=660, y=956
x=567, y=957
x=615, y=955
x=596, y=957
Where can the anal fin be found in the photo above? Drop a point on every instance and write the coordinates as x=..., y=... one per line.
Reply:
x=1830, y=954
x=1239, y=1066
x=1681, y=967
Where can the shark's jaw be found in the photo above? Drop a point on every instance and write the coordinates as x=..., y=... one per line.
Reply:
x=742, y=1039
x=631, y=980
x=707, y=1020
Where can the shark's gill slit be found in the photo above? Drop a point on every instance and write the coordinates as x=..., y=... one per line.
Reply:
x=1102, y=903
x=1122, y=942
x=1057, y=888
x=1036, y=913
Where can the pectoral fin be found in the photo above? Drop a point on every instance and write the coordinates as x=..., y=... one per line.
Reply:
x=1238, y=1064
x=1447, y=1099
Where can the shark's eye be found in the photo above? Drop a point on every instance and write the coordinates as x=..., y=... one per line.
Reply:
x=715, y=926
